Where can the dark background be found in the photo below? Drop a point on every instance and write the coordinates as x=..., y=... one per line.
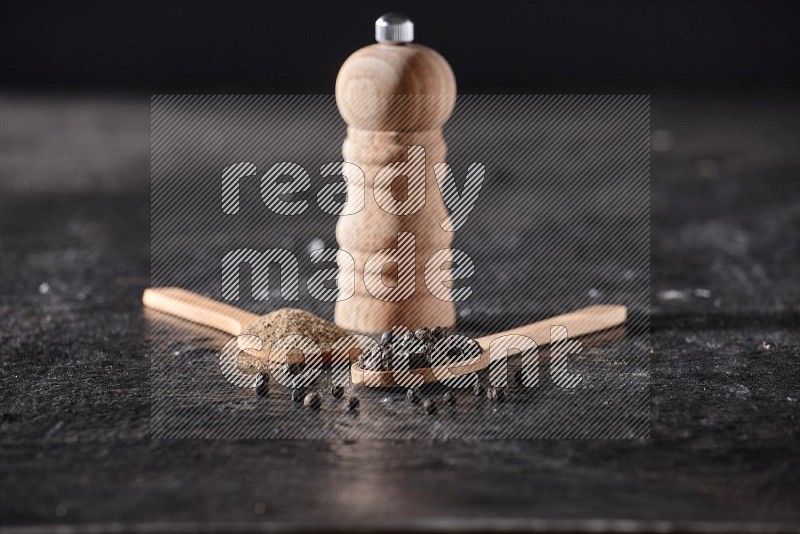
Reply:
x=499, y=46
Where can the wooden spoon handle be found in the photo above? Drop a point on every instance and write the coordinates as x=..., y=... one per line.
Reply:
x=198, y=309
x=579, y=322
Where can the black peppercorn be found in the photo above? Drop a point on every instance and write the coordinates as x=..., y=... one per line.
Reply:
x=387, y=338
x=454, y=353
x=429, y=406
x=478, y=389
x=352, y=403
x=294, y=368
x=423, y=335
x=337, y=391
x=297, y=394
x=417, y=360
x=519, y=377
x=495, y=394
x=262, y=384
x=386, y=358
x=412, y=395
x=449, y=398
x=407, y=340
x=312, y=400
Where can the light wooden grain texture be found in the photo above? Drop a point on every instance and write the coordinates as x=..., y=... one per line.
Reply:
x=577, y=323
x=198, y=309
x=392, y=97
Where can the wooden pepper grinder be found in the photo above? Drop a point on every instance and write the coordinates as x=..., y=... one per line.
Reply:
x=395, y=96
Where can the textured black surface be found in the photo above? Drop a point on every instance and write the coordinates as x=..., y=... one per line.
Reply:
x=725, y=396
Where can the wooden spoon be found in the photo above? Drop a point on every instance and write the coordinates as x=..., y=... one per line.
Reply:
x=235, y=321
x=577, y=323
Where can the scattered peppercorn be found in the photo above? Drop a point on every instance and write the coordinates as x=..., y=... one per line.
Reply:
x=412, y=395
x=449, y=398
x=495, y=394
x=297, y=394
x=337, y=391
x=478, y=389
x=312, y=400
x=262, y=384
x=429, y=406
x=352, y=403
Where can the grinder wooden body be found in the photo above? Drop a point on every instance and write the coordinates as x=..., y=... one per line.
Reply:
x=393, y=96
